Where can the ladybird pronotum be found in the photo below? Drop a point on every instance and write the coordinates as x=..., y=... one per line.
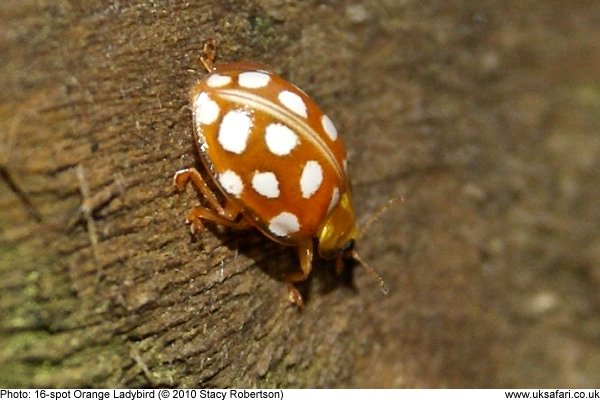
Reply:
x=277, y=159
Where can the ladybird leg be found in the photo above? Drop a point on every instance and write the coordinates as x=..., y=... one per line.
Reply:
x=294, y=295
x=222, y=215
x=199, y=213
x=182, y=177
x=209, y=54
x=305, y=254
x=232, y=211
x=217, y=213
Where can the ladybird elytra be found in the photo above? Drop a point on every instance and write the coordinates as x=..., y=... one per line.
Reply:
x=276, y=158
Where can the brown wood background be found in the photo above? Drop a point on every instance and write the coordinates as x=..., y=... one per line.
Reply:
x=484, y=115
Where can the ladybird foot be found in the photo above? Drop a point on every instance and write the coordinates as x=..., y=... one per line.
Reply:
x=196, y=225
x=294, y=296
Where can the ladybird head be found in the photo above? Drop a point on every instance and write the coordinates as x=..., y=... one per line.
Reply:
x=338, y=232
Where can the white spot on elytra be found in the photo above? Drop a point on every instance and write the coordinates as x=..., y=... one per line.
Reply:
x=206, y=110
x=284, y=224
x=329, y=127
x=231, y=183
x=253, y=80
x=266, y=184
x=311, y=178
x=234, y=131
x=335, y=197
x=293, y=102
x=280, y=139
x=216, y=80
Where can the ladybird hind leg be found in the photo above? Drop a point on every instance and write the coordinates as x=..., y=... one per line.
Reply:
x=209, y=53
x=305, y=255
x=226, y=214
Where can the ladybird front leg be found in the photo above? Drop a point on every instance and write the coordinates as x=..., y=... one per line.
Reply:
x=305, y=254
x=294, y=295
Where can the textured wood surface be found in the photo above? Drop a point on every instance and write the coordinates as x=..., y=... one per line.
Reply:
x=484, y=115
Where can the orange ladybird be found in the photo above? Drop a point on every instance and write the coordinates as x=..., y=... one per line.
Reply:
x=277, y=159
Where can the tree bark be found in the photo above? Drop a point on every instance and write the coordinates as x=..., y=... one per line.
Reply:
x=483, y=115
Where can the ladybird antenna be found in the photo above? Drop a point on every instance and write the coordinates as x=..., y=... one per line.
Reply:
x=377, y=214
x=384, y=289
x=362, y=230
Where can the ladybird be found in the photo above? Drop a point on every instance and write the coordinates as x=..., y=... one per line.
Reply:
x=277, y=160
